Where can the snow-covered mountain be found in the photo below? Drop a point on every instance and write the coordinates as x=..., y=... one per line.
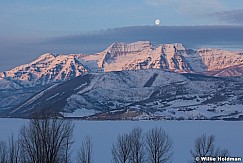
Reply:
x=22, y=82
x=228, y=71
x=175, y=57
x=215, y=59
x=141, y=55
x=48, y=68
x=140, y=94
x=132, y=76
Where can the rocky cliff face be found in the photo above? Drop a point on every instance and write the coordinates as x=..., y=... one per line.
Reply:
x=215, y=59
x=48, y=68
x=175, y=57
x=143, y=55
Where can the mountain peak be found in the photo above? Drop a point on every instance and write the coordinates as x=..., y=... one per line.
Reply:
x=120, y=56
x=46, y=69
x=179, y=46
x=122, y=47
x=47, y=55
x=143, y=55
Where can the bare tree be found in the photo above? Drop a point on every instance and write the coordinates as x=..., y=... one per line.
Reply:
x=221, y=153
x=122, y=149
x=137, y=146
x=204, y=146
x=14, y=153
x=46, y=140
x=3, y=152
x=85, y=153
x=159, y=146
x=9, y=152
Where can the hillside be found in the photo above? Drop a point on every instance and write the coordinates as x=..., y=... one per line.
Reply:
x=136, y=80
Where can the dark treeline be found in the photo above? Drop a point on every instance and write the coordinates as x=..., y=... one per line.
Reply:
x=49, y=140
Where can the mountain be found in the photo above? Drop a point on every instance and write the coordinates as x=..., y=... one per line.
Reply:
x=24, y=81
x=140, y=94
x=48, y=68
x=127, y=73
x=215, y=59
x=228, y=71
x=175, y=57
x=141, y=55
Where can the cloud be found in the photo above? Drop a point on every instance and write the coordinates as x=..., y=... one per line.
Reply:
x=24, y=51
x=190, y=6
x=229, y=17
x=190, y=36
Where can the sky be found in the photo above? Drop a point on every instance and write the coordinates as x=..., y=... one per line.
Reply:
x=45, y=18
x=30, y=28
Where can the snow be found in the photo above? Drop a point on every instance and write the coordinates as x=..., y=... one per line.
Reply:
x=139, y=55
x=80, y=113
x=180, y=96
x=228, y=135
x=81, y=86
x=9, y=85
x=52, y=97
x=49, y=68
x=36, y=97
x=217, y=59
x=119, y=88
x=46, y=69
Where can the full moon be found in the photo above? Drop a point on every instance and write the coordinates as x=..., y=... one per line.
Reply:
x=157, y=21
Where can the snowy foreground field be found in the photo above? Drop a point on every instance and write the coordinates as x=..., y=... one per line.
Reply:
x=228, y=135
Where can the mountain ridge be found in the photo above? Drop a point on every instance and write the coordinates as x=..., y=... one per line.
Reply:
x=139, y=79
x=139, y=94
x=50, y=68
